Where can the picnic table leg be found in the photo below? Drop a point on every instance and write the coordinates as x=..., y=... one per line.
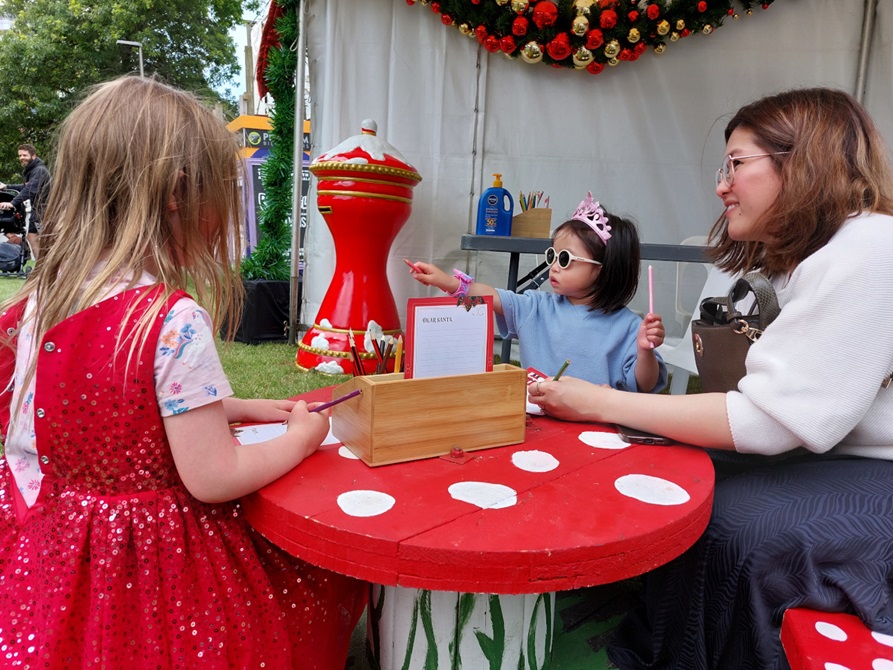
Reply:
x=418, y=628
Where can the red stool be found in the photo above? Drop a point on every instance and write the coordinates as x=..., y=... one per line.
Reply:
x=820, y=641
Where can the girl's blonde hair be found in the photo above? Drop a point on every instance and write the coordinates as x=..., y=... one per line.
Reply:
x=146, y=178
x=835, y=165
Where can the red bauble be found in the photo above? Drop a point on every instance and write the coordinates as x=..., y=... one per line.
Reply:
x=625, y=54
x=608, y=19
x=507, y=44
x=595, y=67
x=519, y=26
x=652, y=12
x=545, y=13
x=410, y=2
x=481, y=33
x=702, y=6
x=594, y=39
x=475, y=2
x=685, y=33
x=639, y=49
x=633, y=16
x=491, y=44
x=435, y=7
x=560, y=47
x=446, y=19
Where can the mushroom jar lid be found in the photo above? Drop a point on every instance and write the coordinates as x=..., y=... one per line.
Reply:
x=365, y=152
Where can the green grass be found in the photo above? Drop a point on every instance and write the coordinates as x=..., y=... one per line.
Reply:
x=269, y=371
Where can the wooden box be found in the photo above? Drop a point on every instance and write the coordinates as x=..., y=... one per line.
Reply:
x=536, y=222
x=397, y=419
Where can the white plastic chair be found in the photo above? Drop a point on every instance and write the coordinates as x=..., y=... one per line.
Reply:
x=680, y=354
x=689, y=277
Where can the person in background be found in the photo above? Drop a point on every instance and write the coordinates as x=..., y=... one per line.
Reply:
x=121, y=542
x=593, y=273
x=36, y=179
x=803, y=449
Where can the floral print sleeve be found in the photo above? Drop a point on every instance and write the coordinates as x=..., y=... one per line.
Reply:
x=188, y=373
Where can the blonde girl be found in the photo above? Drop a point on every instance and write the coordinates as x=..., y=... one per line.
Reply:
x=120, y=546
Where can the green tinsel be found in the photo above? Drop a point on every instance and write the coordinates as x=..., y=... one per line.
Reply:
x=270, y=259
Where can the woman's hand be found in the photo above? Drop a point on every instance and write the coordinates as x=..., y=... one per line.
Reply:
x=570, y=399
x=651, y=332
x=257, y=411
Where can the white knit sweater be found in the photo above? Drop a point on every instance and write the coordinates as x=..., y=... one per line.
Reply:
x=814, y=377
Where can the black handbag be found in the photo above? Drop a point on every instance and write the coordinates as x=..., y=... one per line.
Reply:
x=722, y=336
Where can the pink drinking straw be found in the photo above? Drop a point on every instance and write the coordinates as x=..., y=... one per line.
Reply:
x=651, y=293
x=650, y=289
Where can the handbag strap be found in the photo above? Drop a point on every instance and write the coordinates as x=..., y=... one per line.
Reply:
x=766, y=300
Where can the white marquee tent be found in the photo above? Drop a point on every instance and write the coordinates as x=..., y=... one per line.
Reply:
x=644, y=137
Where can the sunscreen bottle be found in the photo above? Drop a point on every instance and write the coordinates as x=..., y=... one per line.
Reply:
x=495, y=209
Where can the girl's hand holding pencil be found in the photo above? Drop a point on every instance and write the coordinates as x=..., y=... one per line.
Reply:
x=431, y=275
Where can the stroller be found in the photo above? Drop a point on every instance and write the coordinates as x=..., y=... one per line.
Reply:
x=13, y=222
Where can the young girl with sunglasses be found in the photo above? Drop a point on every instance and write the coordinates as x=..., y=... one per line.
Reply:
x=593, y=273
x=121, y=545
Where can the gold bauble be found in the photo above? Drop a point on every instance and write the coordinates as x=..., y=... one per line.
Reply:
x=531, y=53
x=580, y=26
x=520, y=6
x=736, y=16
x=613, y=61
x=680, y=25
x=660, y=48
x=674, y=37
x=582, y=58
x=502, y=2
x=707, y=29
x=749, y=12
x=633, y=36
x=466, y=30
x=612, y=48
x=582, y=6
x=663, y=27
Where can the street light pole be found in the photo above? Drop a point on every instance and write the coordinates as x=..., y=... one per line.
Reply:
x=138, y=45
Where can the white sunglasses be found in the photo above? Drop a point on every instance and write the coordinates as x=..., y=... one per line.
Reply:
x=564, y=258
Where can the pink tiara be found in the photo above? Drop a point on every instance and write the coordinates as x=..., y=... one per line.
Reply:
x=592, y=214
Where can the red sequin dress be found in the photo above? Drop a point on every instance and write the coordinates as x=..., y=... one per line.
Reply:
x=116, y=565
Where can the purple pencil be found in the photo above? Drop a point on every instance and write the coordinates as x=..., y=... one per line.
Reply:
x=346, y=396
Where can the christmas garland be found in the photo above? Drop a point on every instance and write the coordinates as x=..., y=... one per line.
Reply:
x=584, y=34
x=276, y=75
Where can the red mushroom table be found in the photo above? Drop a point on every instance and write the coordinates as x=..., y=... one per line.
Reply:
x=465, y=554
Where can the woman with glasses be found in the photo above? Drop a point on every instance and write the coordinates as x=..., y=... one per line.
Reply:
x=803, y=449
x=593, y=273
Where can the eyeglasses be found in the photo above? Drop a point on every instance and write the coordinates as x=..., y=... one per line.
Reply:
x=565, y=258
x=727, y=172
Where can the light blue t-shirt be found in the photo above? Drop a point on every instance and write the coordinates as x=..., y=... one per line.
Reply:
x=550, y=330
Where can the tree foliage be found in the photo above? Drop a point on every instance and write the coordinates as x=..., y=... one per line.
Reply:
x=56, y=49
x=270, y=259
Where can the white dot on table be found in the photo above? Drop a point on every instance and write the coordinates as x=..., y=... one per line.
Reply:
x=484, y=494
x=883, y=639
x=534, y=461
x=365, y=503
x=882, y=664
x=603, y=440
x=830, y=631
x=835, y=666
x=652, y=490
x=344, y=452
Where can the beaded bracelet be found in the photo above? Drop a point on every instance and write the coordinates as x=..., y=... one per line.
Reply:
x=464, y=282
